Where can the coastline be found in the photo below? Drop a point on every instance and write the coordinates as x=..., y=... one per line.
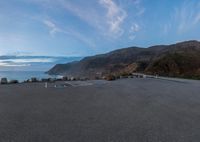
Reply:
x=22, y=76
x=41, y=77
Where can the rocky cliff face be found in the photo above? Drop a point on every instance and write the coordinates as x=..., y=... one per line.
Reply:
x=177, y=60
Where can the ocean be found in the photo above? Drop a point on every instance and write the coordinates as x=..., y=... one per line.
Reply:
x=25, y=67
x=24, y=75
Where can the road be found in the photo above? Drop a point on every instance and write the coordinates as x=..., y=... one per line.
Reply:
x=125, y=110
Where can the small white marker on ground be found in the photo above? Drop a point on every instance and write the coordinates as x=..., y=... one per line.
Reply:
x=46, y=85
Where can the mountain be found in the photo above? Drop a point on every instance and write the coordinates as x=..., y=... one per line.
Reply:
x=176, y=60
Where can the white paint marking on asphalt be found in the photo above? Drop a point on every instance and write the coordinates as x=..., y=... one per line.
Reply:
x=74, y=84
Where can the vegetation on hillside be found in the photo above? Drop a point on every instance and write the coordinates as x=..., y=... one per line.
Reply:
x=177, y=60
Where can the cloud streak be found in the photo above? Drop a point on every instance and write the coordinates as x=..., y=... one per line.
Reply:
x=23, y=62
x=107, y=18
x=110, y=22
x=115, y=16
x=87, y=14
x=187, y=16
x=92, y=26
x=133, y=30
x=13, y=65
x=184, y=18
x=53, y=29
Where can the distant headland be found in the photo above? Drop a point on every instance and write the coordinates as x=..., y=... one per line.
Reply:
x=176, y=60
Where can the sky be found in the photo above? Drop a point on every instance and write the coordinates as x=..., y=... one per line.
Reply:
x=88, y=27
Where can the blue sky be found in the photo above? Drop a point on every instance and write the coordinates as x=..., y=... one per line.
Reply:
x=88, y=27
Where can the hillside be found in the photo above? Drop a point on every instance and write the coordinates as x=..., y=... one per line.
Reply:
x=177, y=60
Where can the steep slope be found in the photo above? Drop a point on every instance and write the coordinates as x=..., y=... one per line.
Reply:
x=181, y=59
x=106, y=63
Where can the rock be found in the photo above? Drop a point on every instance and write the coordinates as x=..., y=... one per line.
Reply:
x=13, y=81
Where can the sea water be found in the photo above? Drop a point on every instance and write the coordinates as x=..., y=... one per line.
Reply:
x=22, y=68
x=25, y=75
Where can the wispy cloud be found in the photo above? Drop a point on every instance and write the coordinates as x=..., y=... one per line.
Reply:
x=139, y=7
x=133, y=30
x=187, y=16
x=87, y=14
x=107, y=18
x=31, y=60
x=110, y=20
x=53, y=29
x=23, y=61
x=96, y=21
x=133, y=23
x=13, y=65
x=115, y=16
